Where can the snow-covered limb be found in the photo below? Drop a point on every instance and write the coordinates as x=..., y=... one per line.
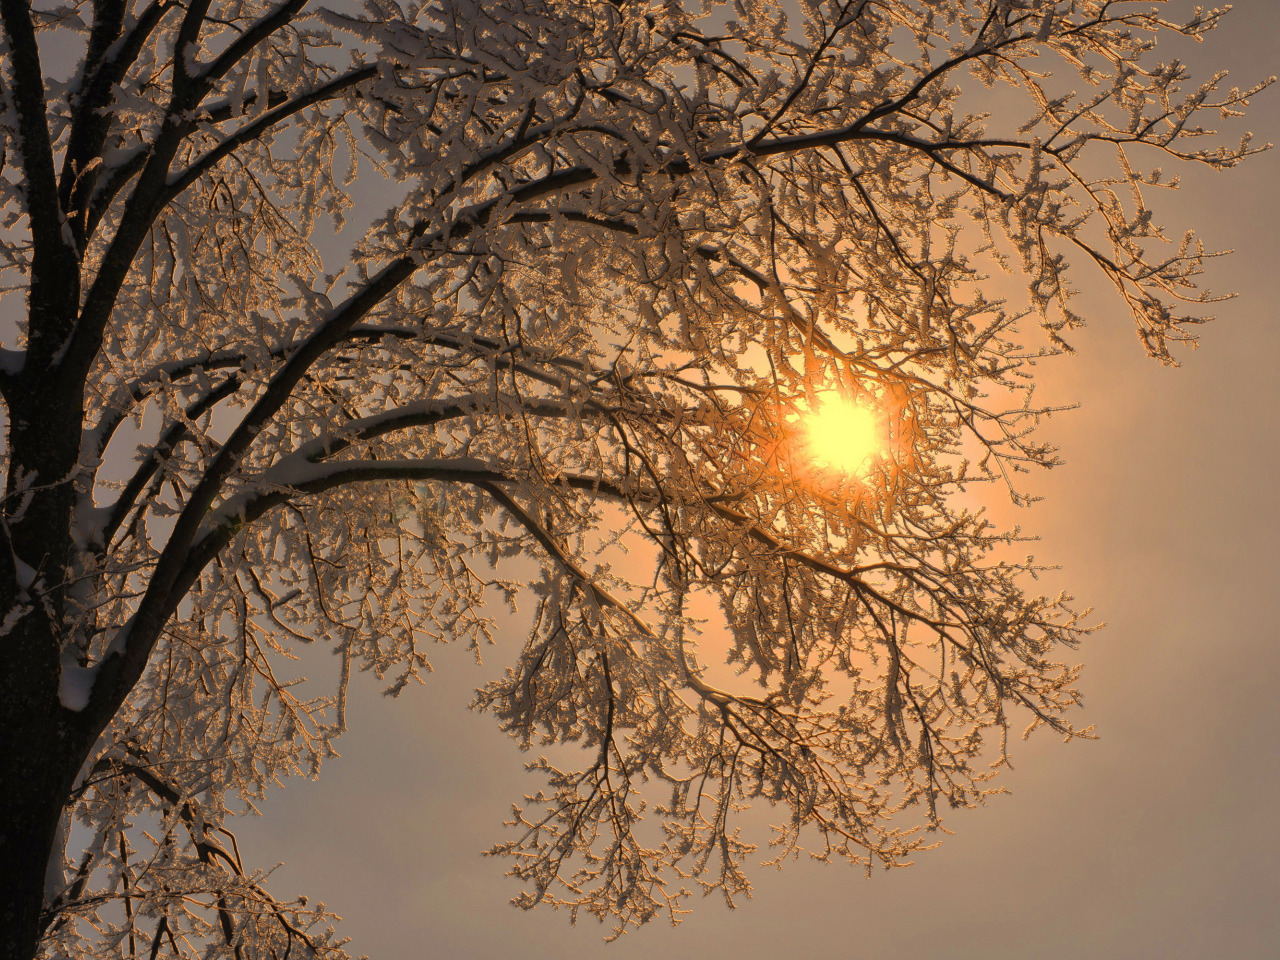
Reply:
x=297, y=475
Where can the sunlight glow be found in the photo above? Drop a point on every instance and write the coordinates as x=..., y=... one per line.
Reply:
x=844, y=436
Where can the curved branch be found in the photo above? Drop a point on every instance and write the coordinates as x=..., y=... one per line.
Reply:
x=243, y=45
x=129, y=395
x=252, y=131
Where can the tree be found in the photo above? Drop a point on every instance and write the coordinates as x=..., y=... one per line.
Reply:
x=629, y=247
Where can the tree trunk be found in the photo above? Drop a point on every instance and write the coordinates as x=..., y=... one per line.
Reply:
x=42, y=746
x=34, y=785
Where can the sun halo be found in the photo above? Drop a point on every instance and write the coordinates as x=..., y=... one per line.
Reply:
x=844, y=436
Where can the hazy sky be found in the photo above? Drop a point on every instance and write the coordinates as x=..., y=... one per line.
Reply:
x=1158, y=840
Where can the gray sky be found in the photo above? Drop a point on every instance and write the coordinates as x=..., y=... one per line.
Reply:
x=1158, y=840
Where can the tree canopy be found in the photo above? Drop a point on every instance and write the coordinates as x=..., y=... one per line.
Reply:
x=620, y=253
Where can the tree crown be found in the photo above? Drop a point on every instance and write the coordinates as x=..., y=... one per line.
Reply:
x=567, y=365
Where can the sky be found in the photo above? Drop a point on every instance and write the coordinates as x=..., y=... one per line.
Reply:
x=1159, y=839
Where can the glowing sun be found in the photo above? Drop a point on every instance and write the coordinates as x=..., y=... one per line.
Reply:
x=844, y=436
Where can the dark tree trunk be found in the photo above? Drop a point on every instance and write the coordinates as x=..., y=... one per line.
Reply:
x=42, y=744
x=38, y=764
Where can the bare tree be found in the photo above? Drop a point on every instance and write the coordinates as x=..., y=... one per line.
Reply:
x=629, y=246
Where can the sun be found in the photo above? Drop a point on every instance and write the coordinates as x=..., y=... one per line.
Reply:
x=844, y=436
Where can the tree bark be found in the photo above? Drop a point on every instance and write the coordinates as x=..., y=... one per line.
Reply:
x=38, y=764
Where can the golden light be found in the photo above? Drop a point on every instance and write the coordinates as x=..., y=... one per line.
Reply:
x=843, y=435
